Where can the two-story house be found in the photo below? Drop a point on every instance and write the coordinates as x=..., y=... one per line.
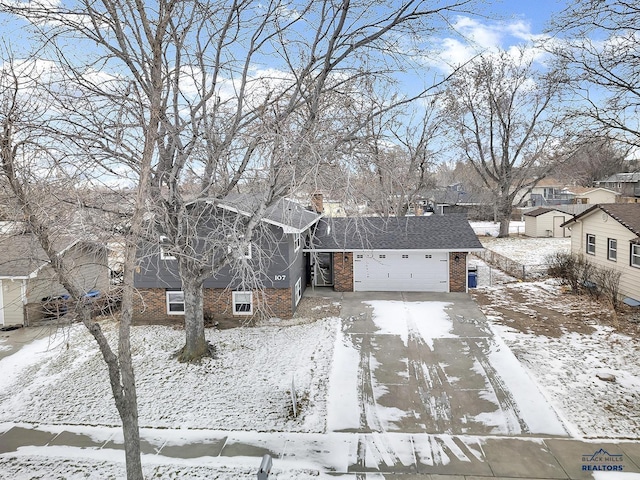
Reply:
x=275, y=257
x=627, y=184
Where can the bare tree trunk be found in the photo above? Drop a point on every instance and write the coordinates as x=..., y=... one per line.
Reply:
x=504, y=215
x=196, y=347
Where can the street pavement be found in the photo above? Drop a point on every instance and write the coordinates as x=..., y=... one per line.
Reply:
x=355, y=455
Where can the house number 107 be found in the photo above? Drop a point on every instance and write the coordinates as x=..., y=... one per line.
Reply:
x=279, y=277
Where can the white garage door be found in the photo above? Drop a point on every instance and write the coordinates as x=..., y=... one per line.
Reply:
x=380, y=271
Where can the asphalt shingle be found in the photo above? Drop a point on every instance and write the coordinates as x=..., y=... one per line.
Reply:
x=433, y=232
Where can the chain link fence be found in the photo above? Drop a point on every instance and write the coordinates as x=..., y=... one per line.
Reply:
x=513, y=269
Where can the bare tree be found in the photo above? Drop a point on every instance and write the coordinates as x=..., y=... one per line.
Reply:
x=156, y=93
x=37, y=173
x=500, y=113
x=597, y=43
x=394, y=163
x=592, y=159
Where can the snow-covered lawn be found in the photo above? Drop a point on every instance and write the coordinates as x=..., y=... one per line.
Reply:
x=527, y=250
x=491, y=229
x=566, y=369
x=247, y=387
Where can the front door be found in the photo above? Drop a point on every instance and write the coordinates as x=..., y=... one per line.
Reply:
x=323, y=270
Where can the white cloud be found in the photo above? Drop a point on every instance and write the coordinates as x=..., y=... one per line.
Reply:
x=476, y=37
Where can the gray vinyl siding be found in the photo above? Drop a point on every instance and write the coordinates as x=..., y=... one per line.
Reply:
x=271, y=252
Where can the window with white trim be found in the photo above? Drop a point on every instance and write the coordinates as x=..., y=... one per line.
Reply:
x=591, y=244
x=298, y=290
x=635, y=255
x=296, y=242
x=164, y=249
x=175, y=302
x=242, y=303
x=612, y=249
x=243, y=248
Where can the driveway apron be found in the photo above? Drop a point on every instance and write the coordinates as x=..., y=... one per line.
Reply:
x=419, y=377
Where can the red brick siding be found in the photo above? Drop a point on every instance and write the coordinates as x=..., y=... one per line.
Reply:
x=343, y=272
x=458, y=272
x=150, y=305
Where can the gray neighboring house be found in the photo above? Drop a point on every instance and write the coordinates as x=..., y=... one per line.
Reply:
x=276, y=251
x=414, y=253
x=26, y=277
x=627, y=184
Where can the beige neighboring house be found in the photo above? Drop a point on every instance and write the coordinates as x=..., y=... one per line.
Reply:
x=26, y=277
x=609, y=236
x=594, y=196
x=546, y=222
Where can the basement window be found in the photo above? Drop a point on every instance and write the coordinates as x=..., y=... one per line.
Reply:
x=175, y=302
x=242, y=303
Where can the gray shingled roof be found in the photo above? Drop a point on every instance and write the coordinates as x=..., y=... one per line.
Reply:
x=283, y=212
x=22, y=254
x=630, y=177
x=433, y=232
x=628, y=214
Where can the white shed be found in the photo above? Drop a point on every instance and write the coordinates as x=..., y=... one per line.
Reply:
x=546, y=222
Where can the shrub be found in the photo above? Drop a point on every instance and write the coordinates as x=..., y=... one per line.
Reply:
x=583, y=276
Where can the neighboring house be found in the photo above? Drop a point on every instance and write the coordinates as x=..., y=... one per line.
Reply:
x=275, y=255
x=547, y=192
x=609, y=236
x=455, y=199
x=414, y=253
x=627, y=184
x=546, y=222
x=593, y=196
x=26, y=277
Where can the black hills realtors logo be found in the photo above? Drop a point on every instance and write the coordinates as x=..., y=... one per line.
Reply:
x=602, y=461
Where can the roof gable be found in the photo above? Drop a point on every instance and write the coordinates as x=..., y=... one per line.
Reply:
x=286, y=214
x=23, y=256
x=433, y=232
x=588, y=190
x=542, y=210
x=627, y=214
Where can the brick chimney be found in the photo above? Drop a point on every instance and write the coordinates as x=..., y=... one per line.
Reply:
x=317, y=204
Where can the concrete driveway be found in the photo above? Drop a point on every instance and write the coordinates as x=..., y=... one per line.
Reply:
x=430, y=363
x=13, y=340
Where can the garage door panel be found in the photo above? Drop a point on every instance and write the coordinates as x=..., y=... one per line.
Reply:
x=417, y=271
